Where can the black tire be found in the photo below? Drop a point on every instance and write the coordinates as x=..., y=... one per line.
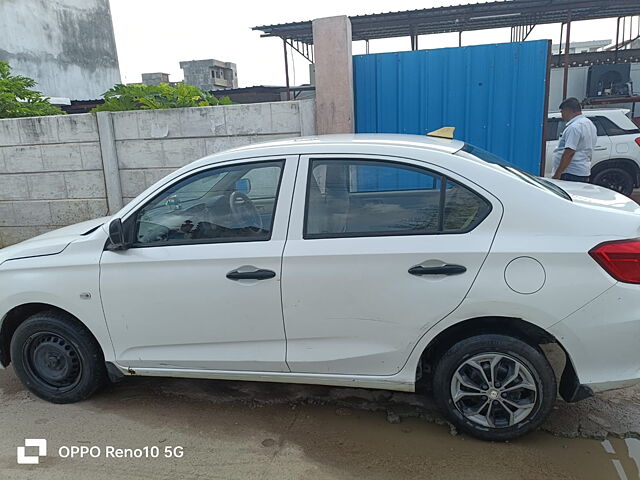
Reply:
x=615, y=178
x=539, y=370
x=57, y=358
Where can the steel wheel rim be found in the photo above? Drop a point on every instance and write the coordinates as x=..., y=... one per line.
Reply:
x=52, y=361
x=494, y=390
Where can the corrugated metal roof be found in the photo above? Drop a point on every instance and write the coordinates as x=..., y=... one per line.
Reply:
x=456, y=18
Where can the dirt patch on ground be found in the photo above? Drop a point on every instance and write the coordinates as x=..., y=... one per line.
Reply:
x=260, y=430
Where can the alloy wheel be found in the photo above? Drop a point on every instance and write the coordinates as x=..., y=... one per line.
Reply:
x=494, y=390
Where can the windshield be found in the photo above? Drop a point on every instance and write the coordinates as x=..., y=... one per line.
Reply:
x=511, y=168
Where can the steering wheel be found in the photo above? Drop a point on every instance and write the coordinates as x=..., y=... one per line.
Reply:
x=244, y=211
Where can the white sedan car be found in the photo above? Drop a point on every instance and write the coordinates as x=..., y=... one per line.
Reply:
x=377, y=261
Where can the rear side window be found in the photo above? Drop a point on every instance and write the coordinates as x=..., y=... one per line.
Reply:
x=471, y=151
x=612, y=129
x=359, y=198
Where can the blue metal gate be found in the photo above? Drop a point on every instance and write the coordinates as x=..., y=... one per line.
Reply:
x=493, y=94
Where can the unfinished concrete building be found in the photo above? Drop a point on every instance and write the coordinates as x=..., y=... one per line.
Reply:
x=210, y=74
x=155, y=78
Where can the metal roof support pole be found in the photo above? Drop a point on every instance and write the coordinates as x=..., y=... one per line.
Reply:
x=560, y=44
x=565, y=83
x=414, y=38
x=617, y=39
x=366, y=42
x=460, y=38
x=286, y=68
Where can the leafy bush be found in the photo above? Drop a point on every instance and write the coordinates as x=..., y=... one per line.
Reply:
x=149, y=97
x=17, y=99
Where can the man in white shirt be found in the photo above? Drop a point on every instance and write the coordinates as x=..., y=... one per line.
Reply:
x=572, y=156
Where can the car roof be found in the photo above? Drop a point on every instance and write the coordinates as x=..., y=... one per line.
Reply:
x=326, y=143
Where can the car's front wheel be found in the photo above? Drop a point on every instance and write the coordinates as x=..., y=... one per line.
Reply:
x=57, y=358
x=494, y=387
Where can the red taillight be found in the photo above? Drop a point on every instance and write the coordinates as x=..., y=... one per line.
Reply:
x=621, y=259
x=638, y=141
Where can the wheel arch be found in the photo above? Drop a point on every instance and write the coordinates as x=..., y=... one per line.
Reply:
x=569, y=384
x=17, y=315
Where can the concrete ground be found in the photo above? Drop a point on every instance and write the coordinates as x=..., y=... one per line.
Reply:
x=246, y=430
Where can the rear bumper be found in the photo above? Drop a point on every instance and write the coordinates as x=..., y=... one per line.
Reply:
x=603, y=339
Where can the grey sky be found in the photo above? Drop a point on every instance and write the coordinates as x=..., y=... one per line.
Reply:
x=154, y=35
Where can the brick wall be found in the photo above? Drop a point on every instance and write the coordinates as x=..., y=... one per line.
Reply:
x=50, y=174
x=60, y=170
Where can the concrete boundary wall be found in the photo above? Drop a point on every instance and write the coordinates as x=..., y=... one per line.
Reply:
x=60, y=170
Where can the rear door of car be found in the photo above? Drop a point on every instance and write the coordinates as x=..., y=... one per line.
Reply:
x=604, y=146
x=623, y=135
x=378, y=250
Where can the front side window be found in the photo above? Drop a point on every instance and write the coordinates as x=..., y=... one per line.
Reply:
x=600, y=131
x=356, y=198
x=552, y=129
x=235, y=203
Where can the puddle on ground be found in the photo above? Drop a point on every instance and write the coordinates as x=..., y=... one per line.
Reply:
x=623, y=450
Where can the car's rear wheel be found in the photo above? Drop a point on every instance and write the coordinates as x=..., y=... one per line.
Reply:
x=615, y=178
x=57, y=358
x=494, y=387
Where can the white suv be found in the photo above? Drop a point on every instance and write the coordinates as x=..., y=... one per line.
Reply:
x=616, y=158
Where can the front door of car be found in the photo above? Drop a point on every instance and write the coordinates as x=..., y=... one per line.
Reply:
x=379, y=250
x=199, y=288
x=553, y=135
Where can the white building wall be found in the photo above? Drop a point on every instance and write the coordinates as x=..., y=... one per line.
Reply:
x=67, y=46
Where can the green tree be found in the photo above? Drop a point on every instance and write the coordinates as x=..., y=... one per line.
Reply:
x=18, y=99
x=150, y=97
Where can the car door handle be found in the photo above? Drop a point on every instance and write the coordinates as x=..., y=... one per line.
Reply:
x=600, y=148
x=440, y=270
x=255, y=275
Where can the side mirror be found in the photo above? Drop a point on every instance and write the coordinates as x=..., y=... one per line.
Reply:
x=116, y=235
x=243, y=186
x=173, y=202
